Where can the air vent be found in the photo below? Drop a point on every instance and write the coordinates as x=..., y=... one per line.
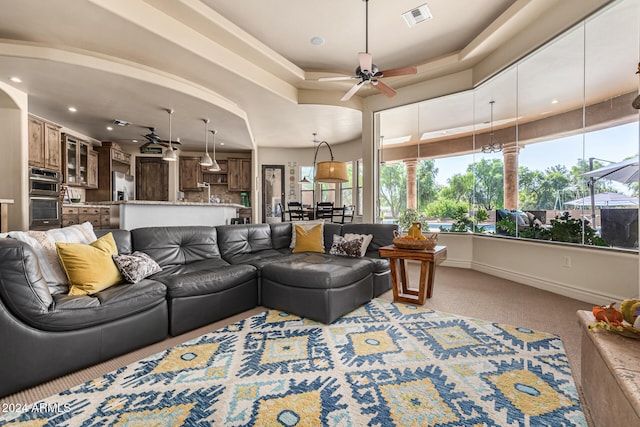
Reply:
x=417, y=15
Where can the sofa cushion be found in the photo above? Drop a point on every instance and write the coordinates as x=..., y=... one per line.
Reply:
x=317, y=271
x=307, y=225
x=90, y=268
x=203, y=277
x=308, y=239
x=122, y=238
x=366, y=241
x=120, y=301
x=170, y=246
x=382, y=235
x=380, y=265
x=256, y=258
x=44, y=245
x=243, y=239
x=280, y=235
x=346, y=247
x=136, y=266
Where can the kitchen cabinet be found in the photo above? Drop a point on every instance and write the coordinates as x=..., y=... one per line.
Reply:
x=217, y=177
x=239, y=174
x=80, y=163
x=111, y=159
x=190, y=173
x=99, y=217
x=44, y=144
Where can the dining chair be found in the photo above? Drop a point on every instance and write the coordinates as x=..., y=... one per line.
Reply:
x=324, y=210
x=296, y=213
x=343, y=214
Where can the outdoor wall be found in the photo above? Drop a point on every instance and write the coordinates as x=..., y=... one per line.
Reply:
x=594, y=275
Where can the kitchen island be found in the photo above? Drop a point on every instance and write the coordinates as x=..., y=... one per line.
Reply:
x=130, y=214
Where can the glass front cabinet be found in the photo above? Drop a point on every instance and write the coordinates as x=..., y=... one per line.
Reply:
x=80, y=167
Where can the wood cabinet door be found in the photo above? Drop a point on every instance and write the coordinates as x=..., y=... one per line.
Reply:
x=245, y=175
x=239, y=174
x=152, y=179
x=51, y=149
x=190, y=173
x=36, y=142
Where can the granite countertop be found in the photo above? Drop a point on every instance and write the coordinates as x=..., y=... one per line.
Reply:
x=164, y=203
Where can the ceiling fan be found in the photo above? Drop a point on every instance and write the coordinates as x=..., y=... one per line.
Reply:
x=368, y=72
x=154, y=139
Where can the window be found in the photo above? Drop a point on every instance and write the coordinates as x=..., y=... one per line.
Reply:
x=346, y=188
x=328, y=192
x=306, y=190
x=534, y=186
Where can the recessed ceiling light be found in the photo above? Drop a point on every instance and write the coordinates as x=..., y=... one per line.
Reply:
x=222, y=143
x=554, y=101
x=109, y=128
x=134, y=140
x=72, y=109
x=15, y=79
x=317, y=41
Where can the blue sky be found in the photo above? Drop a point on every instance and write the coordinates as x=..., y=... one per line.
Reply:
x=614, y=144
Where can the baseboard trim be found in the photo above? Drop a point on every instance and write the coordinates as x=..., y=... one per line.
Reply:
x=456, y=263
x=547, y=285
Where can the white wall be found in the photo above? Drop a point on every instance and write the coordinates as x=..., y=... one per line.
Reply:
x=595, y=275
x=14, y=173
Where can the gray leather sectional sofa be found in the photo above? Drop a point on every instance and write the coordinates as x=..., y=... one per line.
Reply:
x=208, y=274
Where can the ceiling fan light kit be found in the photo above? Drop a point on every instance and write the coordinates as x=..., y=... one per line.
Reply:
x=368, y=72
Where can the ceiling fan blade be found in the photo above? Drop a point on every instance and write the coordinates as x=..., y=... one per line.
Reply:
x=333, y=79
x=366, y=61
x=397, y=72
x=347, y=96
x=386, y=90
x=166, y=142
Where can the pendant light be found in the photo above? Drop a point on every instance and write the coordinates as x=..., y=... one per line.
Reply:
x=170, y=154
x=492, y=147
x=215, y=167
x=205, y=160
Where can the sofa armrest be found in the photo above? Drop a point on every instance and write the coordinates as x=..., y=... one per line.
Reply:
x=23, y=290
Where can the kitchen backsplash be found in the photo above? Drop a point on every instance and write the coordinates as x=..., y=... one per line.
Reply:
x=219, y=191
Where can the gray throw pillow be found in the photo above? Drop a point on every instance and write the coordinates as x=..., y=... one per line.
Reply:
x=346, y=247
x=136, y=266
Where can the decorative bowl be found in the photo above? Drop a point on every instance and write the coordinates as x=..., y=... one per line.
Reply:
x=405, y=242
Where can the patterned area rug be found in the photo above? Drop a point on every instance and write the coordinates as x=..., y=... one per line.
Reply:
x=384, y=364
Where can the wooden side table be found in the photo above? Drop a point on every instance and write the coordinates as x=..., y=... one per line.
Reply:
x=428, y=261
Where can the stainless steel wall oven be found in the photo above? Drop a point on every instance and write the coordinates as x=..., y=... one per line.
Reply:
x=45, y=207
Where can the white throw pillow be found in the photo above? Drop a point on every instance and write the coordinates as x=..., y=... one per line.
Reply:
x=44, y=245
x=366, y=240
x=307, y=225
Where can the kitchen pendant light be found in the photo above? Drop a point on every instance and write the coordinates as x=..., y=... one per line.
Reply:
x=215, y=167
x=205, y=160
x=170, y=154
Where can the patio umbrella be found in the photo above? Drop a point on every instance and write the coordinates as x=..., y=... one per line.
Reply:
x=604, y=200
x=625, y=171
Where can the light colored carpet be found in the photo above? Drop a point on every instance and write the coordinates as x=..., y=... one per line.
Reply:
x=388, y=364
x=458, y=291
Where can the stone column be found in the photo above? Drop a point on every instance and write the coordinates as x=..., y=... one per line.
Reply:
x=510, y=161
x=412, y=183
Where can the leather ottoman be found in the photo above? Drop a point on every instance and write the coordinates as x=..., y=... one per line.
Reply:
x=317, y=286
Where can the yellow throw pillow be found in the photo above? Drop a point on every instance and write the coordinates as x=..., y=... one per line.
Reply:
x=90, y=268
x=309, y=240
